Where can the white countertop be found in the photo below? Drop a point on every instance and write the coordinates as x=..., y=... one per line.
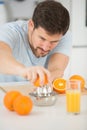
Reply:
x=45, y=118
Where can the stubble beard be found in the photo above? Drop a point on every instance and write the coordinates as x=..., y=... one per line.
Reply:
x=35, y=52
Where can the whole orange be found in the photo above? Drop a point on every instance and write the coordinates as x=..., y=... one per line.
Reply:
x=23, y=105
x=37, y=82
x=9, y=98
x=80, y=78
x=59, y=85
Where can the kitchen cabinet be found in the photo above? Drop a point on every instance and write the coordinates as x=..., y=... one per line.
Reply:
x=20, y=9
x=78, y=16
x=79, y=28
x=3, y=13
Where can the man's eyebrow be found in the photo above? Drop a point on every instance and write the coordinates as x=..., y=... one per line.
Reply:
x=42, y=37
x=49, y=41
x=55, y=41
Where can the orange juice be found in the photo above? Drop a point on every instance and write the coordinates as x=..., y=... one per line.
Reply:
x=73, y=101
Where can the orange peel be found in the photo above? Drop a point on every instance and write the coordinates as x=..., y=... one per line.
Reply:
x=80, y=78
x=37, y=81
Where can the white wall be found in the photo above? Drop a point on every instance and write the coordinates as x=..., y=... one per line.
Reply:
x=79, y=61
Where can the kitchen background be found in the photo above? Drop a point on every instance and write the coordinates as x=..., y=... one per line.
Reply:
x=11, y=10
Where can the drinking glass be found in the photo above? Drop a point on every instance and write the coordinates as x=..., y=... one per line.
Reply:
x=73, y=96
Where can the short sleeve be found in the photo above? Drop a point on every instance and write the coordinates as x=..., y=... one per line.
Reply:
x=64, y=46
x=8, y=34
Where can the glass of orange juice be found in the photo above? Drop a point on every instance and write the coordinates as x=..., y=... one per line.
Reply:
x=73, y=95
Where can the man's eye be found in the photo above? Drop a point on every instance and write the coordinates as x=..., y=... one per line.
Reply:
x=54, y=42
x=42, y=39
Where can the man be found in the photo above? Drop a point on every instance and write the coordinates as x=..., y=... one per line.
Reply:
x=42, y=45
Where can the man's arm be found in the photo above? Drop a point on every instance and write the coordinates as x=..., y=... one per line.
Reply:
x=9, y=65
x=57, y=65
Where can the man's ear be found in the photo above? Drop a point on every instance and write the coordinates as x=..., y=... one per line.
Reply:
x=31, y=24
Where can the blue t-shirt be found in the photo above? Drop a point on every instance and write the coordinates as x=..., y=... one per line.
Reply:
x=15, y=34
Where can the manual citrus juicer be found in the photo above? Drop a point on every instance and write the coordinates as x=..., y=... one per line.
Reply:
x=44, y=95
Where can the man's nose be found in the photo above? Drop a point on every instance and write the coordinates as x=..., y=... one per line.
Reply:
x=46, y=46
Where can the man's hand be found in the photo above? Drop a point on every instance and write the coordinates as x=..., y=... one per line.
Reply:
x=31, y=74
x=9, y=65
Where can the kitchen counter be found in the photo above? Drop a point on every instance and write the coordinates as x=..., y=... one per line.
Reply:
x=42, y=118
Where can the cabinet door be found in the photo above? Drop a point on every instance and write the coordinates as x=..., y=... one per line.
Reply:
x=79, y=28
x=20, y=9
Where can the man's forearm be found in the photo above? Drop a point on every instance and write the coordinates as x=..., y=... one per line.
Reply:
x=8, y=65
x=57, y=65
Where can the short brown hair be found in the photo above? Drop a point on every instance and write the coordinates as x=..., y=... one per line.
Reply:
x=52, y=16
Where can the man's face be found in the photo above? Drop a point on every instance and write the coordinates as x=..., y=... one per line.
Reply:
x=41, y=42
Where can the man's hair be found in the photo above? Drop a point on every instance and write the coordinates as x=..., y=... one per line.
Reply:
x=51, y=16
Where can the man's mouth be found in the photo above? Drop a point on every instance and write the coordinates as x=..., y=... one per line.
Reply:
x=43, y=51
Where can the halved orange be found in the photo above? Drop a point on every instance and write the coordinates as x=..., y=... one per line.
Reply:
x=80, y=78
x=59, y=85
x=37, y=82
